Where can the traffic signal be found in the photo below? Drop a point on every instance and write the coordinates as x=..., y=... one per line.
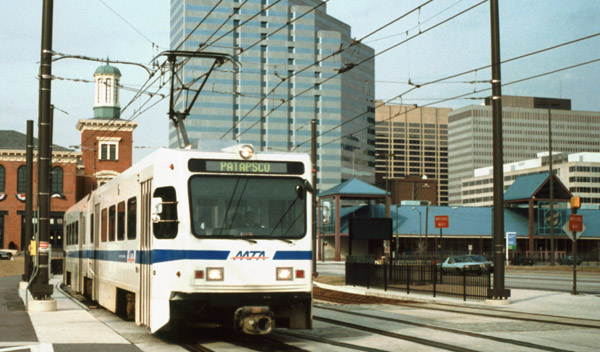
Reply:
x=576, y=202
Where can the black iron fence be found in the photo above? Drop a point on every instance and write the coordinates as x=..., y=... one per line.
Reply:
x=418, y=277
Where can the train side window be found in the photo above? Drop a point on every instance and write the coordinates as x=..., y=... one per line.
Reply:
x=83, y=230
x=165, y=225
x=111, y=222
x=103, y=227
x=121, y=221
x=92, y=228
x=131, y=218
x=76, y=232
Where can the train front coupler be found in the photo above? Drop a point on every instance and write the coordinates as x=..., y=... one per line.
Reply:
x=254, y=320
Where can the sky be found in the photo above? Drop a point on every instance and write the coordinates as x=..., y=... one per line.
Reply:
x=138, y=30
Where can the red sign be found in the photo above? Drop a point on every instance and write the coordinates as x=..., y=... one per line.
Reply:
x=441, y=222
x=576, y=223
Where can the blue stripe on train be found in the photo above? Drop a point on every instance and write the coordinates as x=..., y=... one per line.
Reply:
x=167, y=255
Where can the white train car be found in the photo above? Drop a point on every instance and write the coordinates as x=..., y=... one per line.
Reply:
x=208, y=238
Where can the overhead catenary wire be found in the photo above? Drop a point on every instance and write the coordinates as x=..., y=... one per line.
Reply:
x=353, y=65
x=462, y=74
x=295, y=73
x=187, y=86
x=128, y=23
x=466, y=95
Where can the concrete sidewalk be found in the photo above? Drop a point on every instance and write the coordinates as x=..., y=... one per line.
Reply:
x=74, y=327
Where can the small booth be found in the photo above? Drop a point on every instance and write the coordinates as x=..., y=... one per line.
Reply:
x=350, y=199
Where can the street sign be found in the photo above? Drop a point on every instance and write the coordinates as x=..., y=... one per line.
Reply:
x=576, y=223
x=512, y=240
x=44, y=247
x=441, y=221
x=569, y=233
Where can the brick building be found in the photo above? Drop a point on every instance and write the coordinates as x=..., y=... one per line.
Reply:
x=12, y=188
x=106, y=151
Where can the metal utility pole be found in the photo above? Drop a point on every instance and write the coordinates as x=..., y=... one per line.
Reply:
x=550, y=104
x=313, y=208
x=498, y=291
x=40, y=289
x=28, y=200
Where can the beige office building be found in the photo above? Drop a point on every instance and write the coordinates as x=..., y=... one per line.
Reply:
x=525, y=134
x=412, y=141
x=579, y=172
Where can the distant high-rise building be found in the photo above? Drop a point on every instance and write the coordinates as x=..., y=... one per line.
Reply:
x=296, y=64
x=413, y=142
x=525, y=134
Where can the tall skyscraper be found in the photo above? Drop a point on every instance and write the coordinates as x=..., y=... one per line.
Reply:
x=296, y=64
x=525, y=134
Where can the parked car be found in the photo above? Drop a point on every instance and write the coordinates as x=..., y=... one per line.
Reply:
x=568, y=260
x=521, y=260
x=467, y=263
x=4, y=255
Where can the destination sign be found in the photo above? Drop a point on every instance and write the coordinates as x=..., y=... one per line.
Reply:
x=245, y=166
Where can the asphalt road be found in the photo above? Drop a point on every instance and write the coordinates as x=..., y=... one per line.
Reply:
x=545, y=280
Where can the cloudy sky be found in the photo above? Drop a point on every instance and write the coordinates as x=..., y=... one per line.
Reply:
x=136, y=30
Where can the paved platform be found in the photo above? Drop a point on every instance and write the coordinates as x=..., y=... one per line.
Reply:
x=72, y=327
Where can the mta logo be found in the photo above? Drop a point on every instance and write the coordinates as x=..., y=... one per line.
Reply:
x=250, y=255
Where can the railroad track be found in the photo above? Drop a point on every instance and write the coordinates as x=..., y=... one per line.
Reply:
x=350, y=298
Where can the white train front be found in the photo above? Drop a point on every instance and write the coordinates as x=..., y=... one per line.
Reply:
x=206, y=238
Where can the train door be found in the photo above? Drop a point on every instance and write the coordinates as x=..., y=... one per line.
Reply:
x=81, y=253
x=95, y=247
x=145, y=254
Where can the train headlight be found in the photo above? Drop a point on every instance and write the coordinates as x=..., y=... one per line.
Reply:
x=246, y=151
x=285, y=274
x=214, y=274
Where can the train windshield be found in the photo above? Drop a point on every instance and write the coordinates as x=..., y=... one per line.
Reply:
x=251, y=207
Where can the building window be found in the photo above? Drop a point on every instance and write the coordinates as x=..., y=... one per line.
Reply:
x=21, y=171
x=107, y=92
x=290, y=49
x=57, y=180
x=99, y=90
x=263, y=24
x=109, y=151
x=2, y=178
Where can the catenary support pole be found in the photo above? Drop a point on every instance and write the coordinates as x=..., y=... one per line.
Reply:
x=28, y=201
x=498, y=291
x=41, y=289
x=313, y=208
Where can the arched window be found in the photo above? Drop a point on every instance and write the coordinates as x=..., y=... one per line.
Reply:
x=21, y=172
x=99, y=90
x=108, y=92
x=116, y=91
x=57, y=180
x=2, y=178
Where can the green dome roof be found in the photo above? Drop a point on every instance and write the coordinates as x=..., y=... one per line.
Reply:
x=107, y=69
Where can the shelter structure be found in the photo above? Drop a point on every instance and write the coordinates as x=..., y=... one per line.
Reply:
x=337, y=203
x=534, y=191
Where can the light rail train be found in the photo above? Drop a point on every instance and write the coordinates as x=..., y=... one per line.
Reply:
x=219, y=238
